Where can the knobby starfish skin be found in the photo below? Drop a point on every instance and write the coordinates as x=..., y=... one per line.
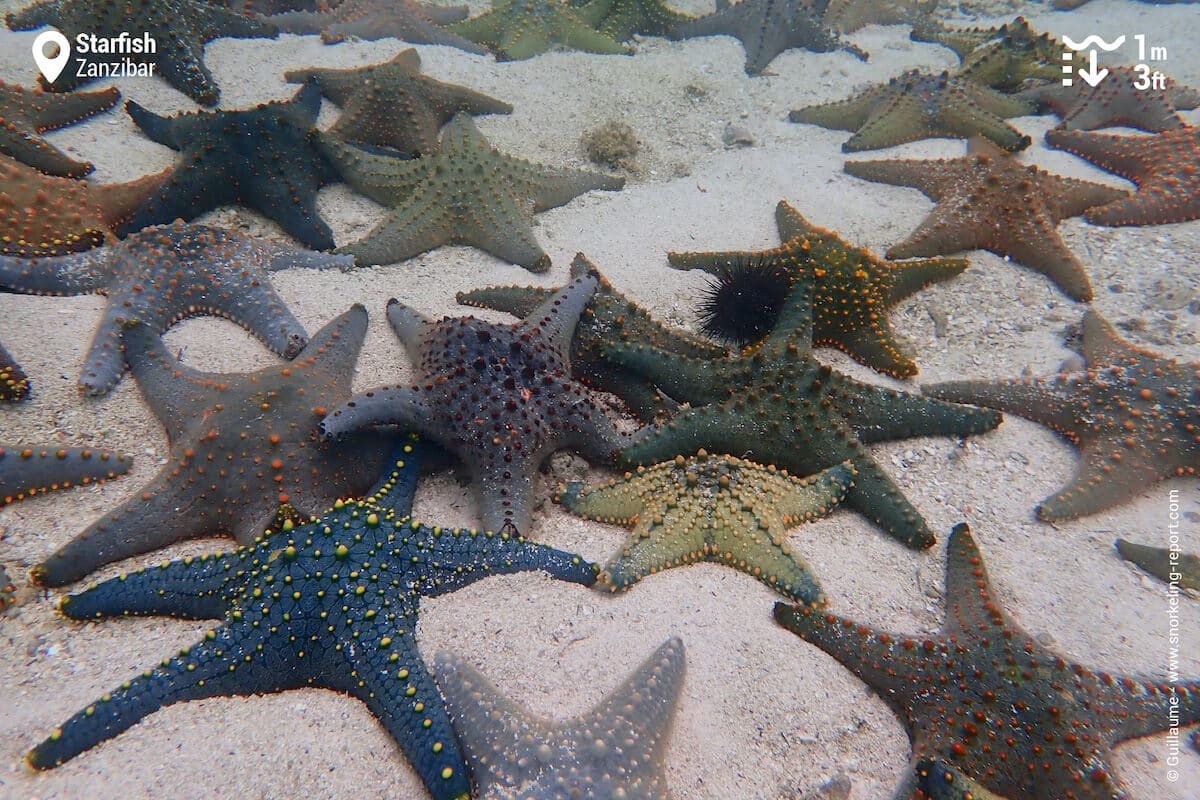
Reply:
x=41, y=215
x=766, y=28
x=25, y=114
x=241, y=445
x=646, y=17
x=394, y=105
x=847, y=16
x=938, y=780
x=1169, y=566
x=407, y=20
x=991, y=201
x=1115, y=101
x=261, y=158
x=616, y=750
x=332, y=604
x=610, y=318
x=1135, y=417
x=783, y=407
x=467, y=193
x=991, y=704
x=25, y=471
x=1165, y=167
x=520, y=29
x=1016, y=54
x=852, y=290
x=180, y=29
x=500, y=397
x=711, y=508
x=14, y=384
x=164, y=274
x=919, y=105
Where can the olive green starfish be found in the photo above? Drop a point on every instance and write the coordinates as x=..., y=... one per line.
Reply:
x=1002, y=56
x=852, y=290
x=777, y=403
x=610, y=318
x=919, y=105
x=520, y=29
x=847, y=16
x=711, y=508
x=1171, y=567
x=1134, y=415
x=394, y=105
x=646, y=17
x=467, y=193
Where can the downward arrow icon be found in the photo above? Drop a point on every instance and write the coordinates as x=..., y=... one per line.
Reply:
x=1090, y=74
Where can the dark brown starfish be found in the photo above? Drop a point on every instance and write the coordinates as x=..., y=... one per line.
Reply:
x=1135, y=417
x=991, y=201
x=1165, y=167
x=25, y=114
x=991, y=704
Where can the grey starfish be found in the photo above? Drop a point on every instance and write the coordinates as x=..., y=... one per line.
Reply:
x=469, y=193
x=766, y=28
x=164, y=274
x=616, y=750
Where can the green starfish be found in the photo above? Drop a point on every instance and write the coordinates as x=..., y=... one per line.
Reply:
x=986, y=703
x=779, y=404
x=519, y=29
x=1017, y=54
x=847, y=16
x=467, y=193
x=918, y=105
x=610, y=318
x=711, y=508
x=332, y=604
x=852, y=290
x=646, y=17
x=1169, y=566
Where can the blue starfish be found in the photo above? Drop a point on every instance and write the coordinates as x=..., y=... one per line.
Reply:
x=332, y=604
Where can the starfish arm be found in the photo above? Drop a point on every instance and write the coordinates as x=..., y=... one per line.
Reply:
x=445, y=15
x=187, y=72
x=384, y=406
x=410, y=326
x=592, y=12
x=158, y=374
x=25, y=471
x=456, y=99
x=197, y=672
x=487, y=28
x=503, y=226
x=682, y=377
x=927, y=177
x=949, y=228
x=793, y=331
x=389, y=675
x=49, y=112
x=641, y=395
x=505, y=496
x=621, y=501
x=878, y=414
x=557, y=317
x=966, y=121
x=594, y=434
x=1136, y=707
x=35, y=16
x=971, y=607
x=186, y=194
x=36, y=152
x=583, y=38
x=1162, y=563
x=78, y=273
x=461, y=557
x=417, y=227
x=842, y=115
x=118, y=201
x=910, y=277
x=1109, y=473
x=937, y=780
x=341, y=85
x=168, y=131
x=1044, y=400
x=1153, y=205
x=520, y=301
x=397, y=489
x=290, y=202
x=714, y=263
x=1101, y=344
x=1034, y=242
x=1070, y=197
x=721, y=22
x=707, y=427
x=274, y=257
x=187, y=589
x=1105, y=150
x=387, y=179
x=901, y=120
x=551, y=188
x=877, y=497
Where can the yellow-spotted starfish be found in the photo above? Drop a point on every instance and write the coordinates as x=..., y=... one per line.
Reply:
x=989, y=703
x=1135, y=417
x=711, y=508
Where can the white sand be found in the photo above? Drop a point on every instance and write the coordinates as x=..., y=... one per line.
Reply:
x=763, y=715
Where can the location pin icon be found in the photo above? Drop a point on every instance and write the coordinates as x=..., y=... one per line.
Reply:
x=51, y=66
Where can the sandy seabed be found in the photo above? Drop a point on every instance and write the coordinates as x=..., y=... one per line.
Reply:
x=762, y=714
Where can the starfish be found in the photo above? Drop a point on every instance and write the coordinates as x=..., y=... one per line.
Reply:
x=332, y=604
x=520, y=29
x=14, y=385
x=963, y=41
x=41, y=215
x=1169, y=566
x=168, y=273
x=1114, y=101
x=1165, y=167
x=783, y=407
x=646, y=17
x=25, y=114
x=1135, y=417
x=1066, y=5
x=847, y=16
x=407, y=20
x=989, y=702
x=938, y=780
x=393, y=105
x=851, y=290
x=500, y=397
x=180, y=28
x=468, y=193
x=610, y=318
x=991, y=201
x=262, y=158
x=766, y=28
x=267, y=7
x=1015, y=54
x=241, y=445
x=617, y=750
x=920, y=106
x=711, y=508
x=25, y=471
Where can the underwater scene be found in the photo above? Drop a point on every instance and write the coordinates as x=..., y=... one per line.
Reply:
x=612, y=399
